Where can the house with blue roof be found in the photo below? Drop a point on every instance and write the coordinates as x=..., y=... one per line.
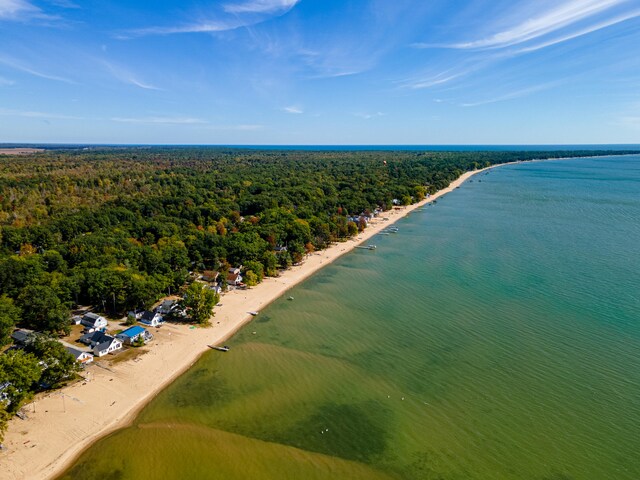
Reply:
x=133, y=335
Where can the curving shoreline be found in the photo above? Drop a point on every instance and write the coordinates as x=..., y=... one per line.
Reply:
x=111, y=398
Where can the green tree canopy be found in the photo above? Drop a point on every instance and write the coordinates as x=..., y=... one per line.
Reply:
x=43, y=310
x=9, y=317
x=59, y=365
x=198, y=302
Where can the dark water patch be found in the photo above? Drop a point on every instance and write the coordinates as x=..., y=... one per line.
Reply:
x=350, y=431
x=203, y=388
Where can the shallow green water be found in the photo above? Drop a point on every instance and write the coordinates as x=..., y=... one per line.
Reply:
x=496, y=336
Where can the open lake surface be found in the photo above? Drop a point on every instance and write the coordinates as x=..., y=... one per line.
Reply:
x=495, y=336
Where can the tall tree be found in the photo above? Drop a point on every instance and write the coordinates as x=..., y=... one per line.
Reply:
x=20, y=370
x=43, y=310
x=198, y=302
x=9, y=317
x=59, y=364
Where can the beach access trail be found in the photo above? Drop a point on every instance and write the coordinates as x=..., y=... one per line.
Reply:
x=63, y=423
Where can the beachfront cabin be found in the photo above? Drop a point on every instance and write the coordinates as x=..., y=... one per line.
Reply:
x=21, y=336
x=137, y=313
x=152, y=319
x=234, y=279
x=83, y=357
x=167, y=306
x=209, y=276
x=133, y=335
x=101, y=343
x=93, y=321
x=235, y=270
x=279, y=248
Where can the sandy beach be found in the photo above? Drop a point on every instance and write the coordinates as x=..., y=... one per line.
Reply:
x=61, y=424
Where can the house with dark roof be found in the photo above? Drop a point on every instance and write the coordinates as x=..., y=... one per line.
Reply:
x=82, y=356
x=93, y=321
x=153, y=319
x=133, y=334
x=167, y=306
x=21, y=336
x=101, y=343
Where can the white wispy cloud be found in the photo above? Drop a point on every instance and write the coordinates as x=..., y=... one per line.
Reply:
x=23, y=67
x=368, y=116
x=525, y=92
x=232, y=16
x=161, y=120
x=559, y=17
x=64, y=4
x=261, y=6
x=14, y=9
x=295, y=109
x=584, y=31
x=240, y=128
x=32, y=114
x=124, y=75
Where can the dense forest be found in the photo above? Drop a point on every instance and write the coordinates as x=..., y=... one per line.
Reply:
x=117, y=228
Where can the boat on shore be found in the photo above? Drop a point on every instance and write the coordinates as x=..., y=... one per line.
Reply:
x=253, y=313
x=224, y=348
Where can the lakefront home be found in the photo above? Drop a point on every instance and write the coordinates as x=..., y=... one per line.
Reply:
x=101, y=343
x=167, y=306
x=21, y=336
x=82, y=356
x=93, y=321
x=132, y=335
x=153, y=319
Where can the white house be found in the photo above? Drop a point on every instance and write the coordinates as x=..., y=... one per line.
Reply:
x=101, y=343
x=234, y=279
x=93, y=321
x=82, y=356
x=153, y=319
x=109, y=345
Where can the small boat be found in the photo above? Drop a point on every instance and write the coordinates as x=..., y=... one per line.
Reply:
x=224, y=348
x=290, y=298
x=253, y=313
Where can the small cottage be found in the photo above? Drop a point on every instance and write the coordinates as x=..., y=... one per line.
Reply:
x=167, y=306
x=82, y=356
x=153, y=319
x=133, y=334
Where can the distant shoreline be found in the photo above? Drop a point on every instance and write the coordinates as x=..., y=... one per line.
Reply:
x=113, y=398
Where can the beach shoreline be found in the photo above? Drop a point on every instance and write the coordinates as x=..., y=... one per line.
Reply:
x=111, y=397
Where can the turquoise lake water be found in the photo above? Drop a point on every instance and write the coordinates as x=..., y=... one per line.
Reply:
x=495, y=336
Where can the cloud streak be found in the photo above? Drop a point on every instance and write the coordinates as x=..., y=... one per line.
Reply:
x=232, y=16
x=262, y=6
x=125, y=76
x=161, y=120
x=560, y=17
x=294, y=109
x=43, y=115
x=584, y=31
x=525, y=92
x=16, y=65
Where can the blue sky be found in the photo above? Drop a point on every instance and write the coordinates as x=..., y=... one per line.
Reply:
x=320, y=71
